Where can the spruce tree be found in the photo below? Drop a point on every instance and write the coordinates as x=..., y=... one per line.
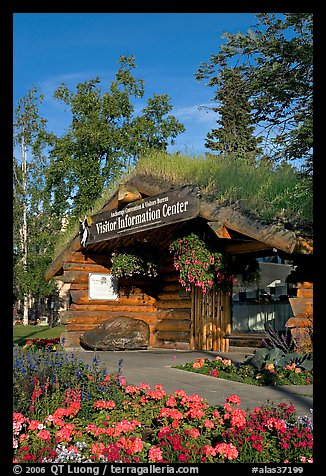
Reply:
x=235, y=135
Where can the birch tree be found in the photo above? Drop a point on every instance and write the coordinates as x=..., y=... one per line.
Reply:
x=33, y=222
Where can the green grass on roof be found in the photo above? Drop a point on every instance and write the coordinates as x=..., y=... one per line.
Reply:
x=273, y=194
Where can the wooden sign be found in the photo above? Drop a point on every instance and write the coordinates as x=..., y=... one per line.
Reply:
x=152, y=212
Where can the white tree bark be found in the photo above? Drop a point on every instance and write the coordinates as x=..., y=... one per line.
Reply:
x=24, y=231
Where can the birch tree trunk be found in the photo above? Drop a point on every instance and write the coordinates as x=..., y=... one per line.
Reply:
x=24, y=232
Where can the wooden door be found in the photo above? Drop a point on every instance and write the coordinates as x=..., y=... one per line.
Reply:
x=210, y=320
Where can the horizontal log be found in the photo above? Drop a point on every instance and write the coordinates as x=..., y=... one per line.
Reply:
x=173, y=336
x=181, y=314
x=170, y=287
x=176, y=304
x=299, y=322
x=173, y=325
x=168, y=268
x=81, y=297
x=251, y=246
x=150, y=185
x=86, y=267
x=170, y=277
x=91, y=322
x=172, y=296
x=79, y=286
x=306, y=293
x=89, y=318
x=161, y=344
x=87, y=258
x=81, y=327
x=273, y=235
x=75, y=277
x=111, y=307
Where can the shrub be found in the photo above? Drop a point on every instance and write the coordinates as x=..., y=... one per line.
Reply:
x=258, y=370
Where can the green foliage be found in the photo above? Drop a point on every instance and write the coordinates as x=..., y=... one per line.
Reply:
x=266, y=367
x=235, y=135
x=275, y=59
x=274, y=194
x=105, y=136
x=138, y=260
x=34, y=222
x=278, y=357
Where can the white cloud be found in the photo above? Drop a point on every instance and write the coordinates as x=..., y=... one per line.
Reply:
x=200, y=113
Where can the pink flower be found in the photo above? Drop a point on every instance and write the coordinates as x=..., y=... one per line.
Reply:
x=238, y=418
x=228, y=450
x=197, y=365
x=234, y=399
x=132, y=445
x=35, y=425
x=276, y=423
x=208, y=450
x=171, y=401
x=209, y=424
x=194, y=433
x=97, y=448
x=44, y=435
x=226, y=362
x=104, y=404
x=216, y=414
x=132, y=389
x=180, y=393
x=156, y=394
x=195, y=412
x=155, y=454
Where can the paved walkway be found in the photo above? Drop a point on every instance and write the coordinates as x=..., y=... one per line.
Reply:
x=155, y=366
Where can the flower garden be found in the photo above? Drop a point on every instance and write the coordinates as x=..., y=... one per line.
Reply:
x=266, y=372
x=68, y=411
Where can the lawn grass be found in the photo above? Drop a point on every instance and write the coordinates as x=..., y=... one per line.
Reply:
x=22, y=333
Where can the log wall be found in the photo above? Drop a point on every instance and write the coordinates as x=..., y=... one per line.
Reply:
x=160, y=302
x=156, y=301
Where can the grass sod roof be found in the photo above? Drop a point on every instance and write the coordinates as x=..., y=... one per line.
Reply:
x=279, y=199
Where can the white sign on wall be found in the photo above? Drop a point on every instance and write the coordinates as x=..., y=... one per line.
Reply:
x=103, y=286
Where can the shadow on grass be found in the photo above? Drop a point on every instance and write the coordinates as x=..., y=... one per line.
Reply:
x=21, y=340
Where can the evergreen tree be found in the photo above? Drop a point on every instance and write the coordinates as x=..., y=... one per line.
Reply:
x=276, y=61
x=234, y=138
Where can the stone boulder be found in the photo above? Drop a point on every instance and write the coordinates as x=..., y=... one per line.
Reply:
x=117, y=333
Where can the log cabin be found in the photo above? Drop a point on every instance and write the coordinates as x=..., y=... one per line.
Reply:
x=148, y=211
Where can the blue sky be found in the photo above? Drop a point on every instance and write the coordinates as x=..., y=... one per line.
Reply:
x=50, y=48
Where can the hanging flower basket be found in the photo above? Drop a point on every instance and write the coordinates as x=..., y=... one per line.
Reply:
x=199, y=266
x=135, y=261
